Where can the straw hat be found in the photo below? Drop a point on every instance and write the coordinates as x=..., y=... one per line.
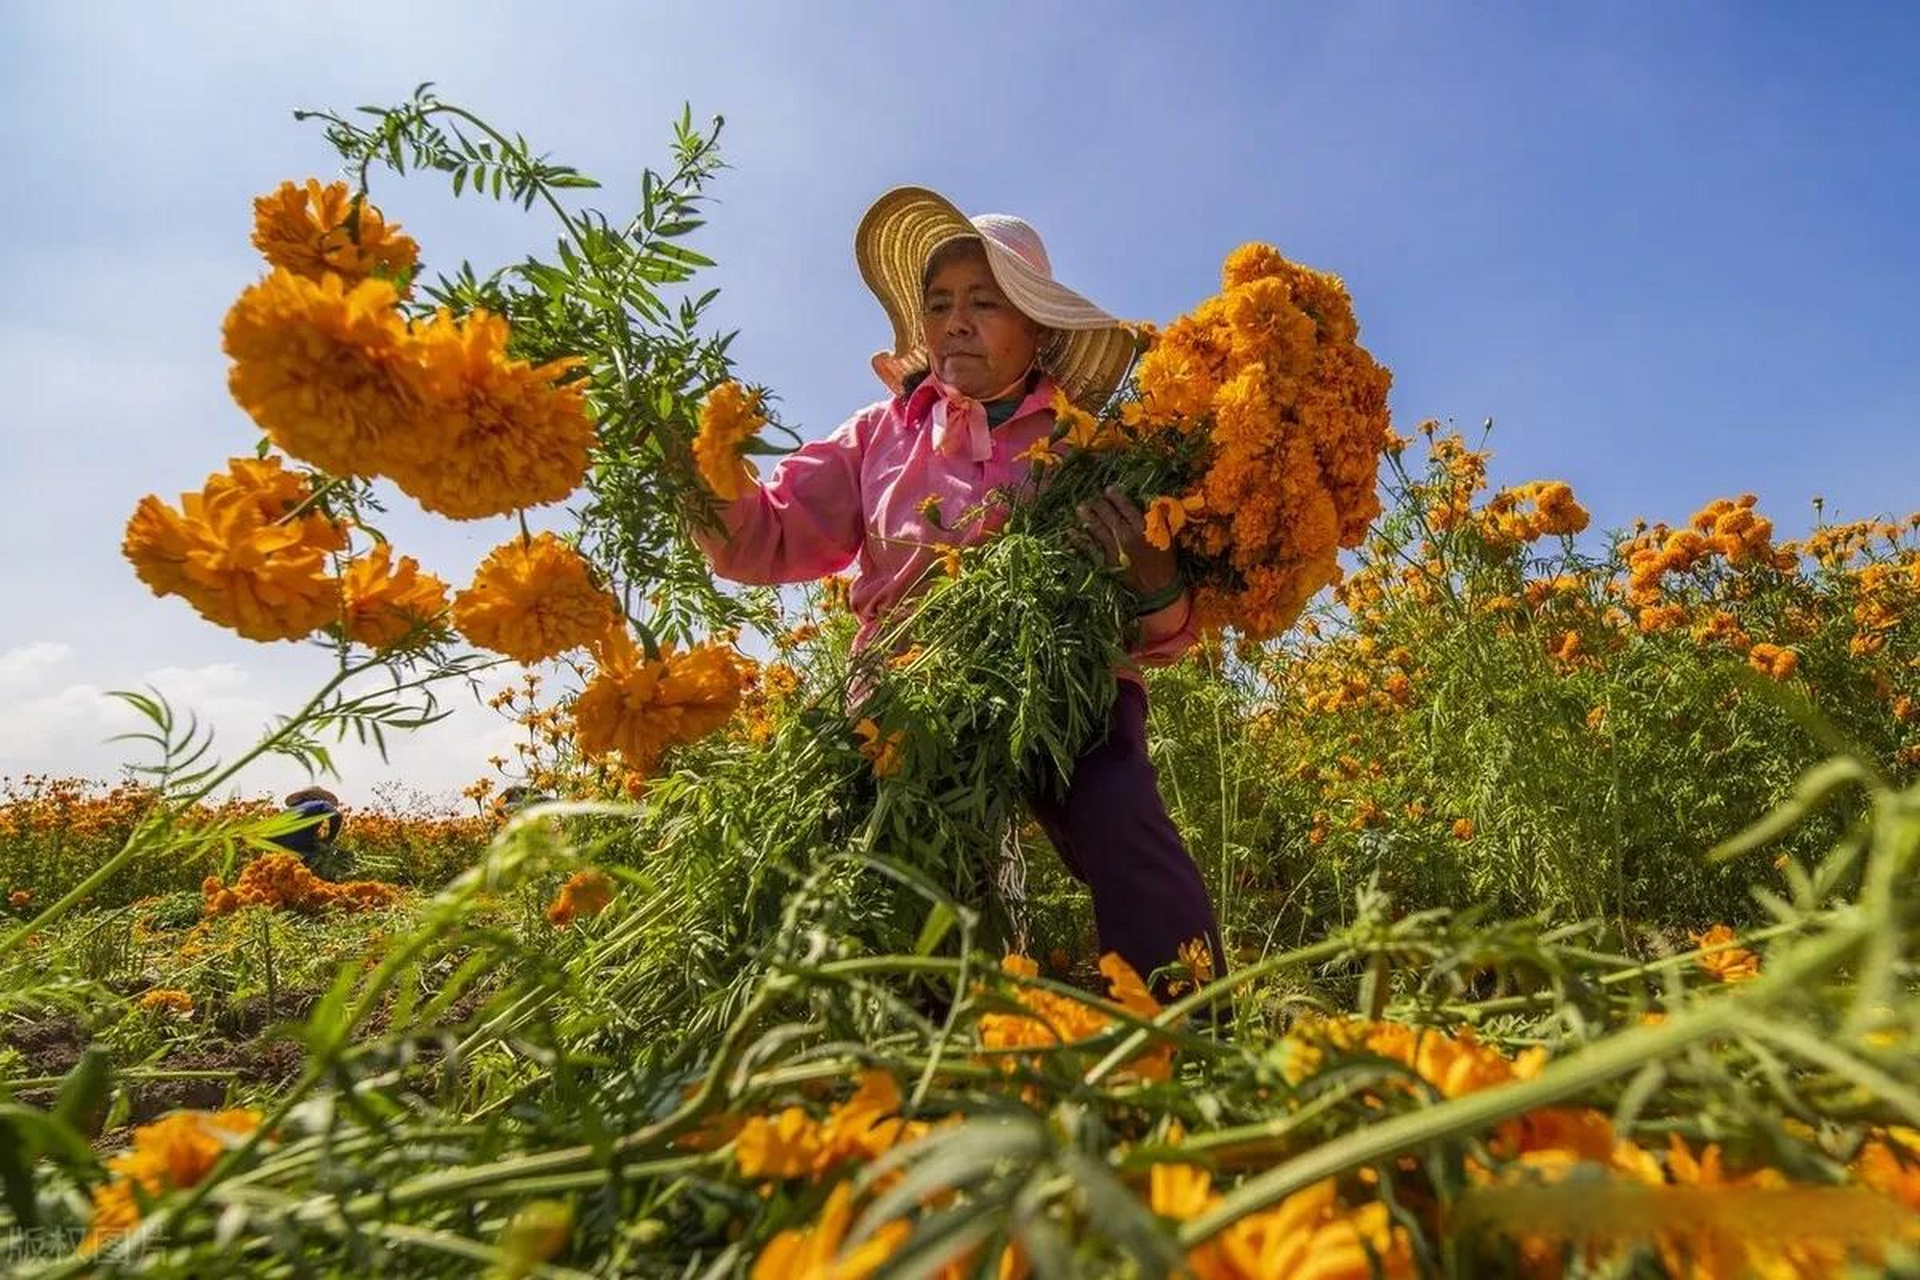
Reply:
x=1087, y=351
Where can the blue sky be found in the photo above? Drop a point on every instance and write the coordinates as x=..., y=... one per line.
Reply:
x=1666, y=247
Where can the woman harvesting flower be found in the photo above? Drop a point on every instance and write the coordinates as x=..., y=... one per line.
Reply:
x=986, y=343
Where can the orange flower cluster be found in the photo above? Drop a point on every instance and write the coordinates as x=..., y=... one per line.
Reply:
x=313, y=230
x=767, y=692
x=586, y=893
x=1296, y=418
x=1052, y=1019
x=1732, y=964
x=1772, y=660
x=640, y=706
x=533, y=599
x=1504, y=522
x=171, y=999
x=1454, y=1065
x=330, y=369
x=729, y=419
x=282, y=882
x=795, y=1145
x=1885, y=593
x=170, y=1154
x=1728, y=529
x=238, y=552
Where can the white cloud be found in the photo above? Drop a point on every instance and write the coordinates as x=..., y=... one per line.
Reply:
x=24, y=665
x=62, y=725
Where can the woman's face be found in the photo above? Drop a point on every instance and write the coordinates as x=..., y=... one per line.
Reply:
x=977, y=342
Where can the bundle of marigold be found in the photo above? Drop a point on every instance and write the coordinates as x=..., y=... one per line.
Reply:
x=1276, y=418
x=282, y=882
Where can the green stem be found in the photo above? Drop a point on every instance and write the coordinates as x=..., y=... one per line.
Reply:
x=1602, y=1061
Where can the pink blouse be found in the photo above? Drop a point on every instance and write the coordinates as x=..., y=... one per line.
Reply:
x=857, y=497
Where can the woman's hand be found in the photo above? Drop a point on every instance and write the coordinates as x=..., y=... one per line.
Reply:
x=1115, y=529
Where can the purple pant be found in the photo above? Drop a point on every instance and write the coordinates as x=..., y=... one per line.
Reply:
x=1113, y=832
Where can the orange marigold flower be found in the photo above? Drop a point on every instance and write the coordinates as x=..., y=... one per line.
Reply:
x=1559, y=513
x=20, y=899
x=385, y=604
x=816, y=1252
x=1463, y=828
x=1655, y=618
x=885, y=751
x=495, y=434
x=1728, y=964
x=586, y=893
x=1250, y=262
x=310, y=230
x=171, y=999
x=639, y=706
x=729, y=418
x=533, y=599
x=327, y=368
x=238, y=555
x=171, y=1154
x=1772, y=660
x=1309, y=1234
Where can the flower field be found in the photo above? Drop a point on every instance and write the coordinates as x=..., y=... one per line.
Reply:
x=1565, y=876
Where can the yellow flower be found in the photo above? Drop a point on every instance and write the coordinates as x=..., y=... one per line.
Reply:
x=1197, y=955
x=815, y=1253
x=1732, y=964
x=1309, y=1236
x=1166, y=516
x=728, y=420
x=533, y=599
x=495, y=434
x=326, y=368
x=233, y=553
x=640, y=706
x=884, y=751
x=311, y=230
x=170, y=1154
x=385, y=604
x=1076, y=428
x=1040, y=453
x=787, y=1146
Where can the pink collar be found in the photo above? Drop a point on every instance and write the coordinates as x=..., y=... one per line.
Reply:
x=960, y=422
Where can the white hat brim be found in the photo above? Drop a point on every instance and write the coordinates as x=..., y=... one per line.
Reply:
x=1090, y=351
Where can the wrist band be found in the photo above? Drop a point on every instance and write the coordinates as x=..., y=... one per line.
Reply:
x=1143, y=605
